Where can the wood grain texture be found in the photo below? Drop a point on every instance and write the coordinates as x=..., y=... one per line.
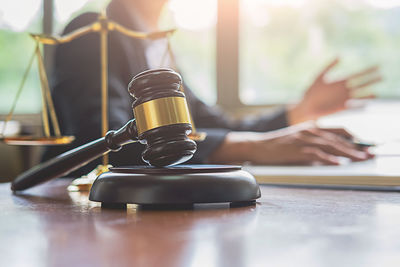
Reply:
x=47, y=226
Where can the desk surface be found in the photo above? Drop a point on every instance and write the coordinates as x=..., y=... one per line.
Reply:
x=47, y=226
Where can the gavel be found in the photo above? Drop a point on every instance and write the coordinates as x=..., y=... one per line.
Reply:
x=161, y=122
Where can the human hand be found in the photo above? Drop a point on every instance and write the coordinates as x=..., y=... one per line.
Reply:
x=324, y=97
x=302, y=144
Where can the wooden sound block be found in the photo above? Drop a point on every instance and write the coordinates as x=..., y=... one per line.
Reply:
x=180, y=185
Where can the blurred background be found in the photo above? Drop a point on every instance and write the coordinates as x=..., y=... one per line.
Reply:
x=276, y=47
x=282, y=43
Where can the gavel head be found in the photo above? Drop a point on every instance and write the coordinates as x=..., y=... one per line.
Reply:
x=162, y=117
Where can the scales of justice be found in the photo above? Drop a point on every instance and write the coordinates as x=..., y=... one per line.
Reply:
x=170, y=140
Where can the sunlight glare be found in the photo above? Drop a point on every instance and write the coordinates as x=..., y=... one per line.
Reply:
x=18, y=14
x=194, y=14
x=288, y=3
x=64, y=9
x=385, y=4
x=256, y=13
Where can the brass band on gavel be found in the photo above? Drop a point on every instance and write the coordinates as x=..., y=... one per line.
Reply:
x=160, y=112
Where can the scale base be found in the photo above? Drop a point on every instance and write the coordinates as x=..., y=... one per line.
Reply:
x=175, y=187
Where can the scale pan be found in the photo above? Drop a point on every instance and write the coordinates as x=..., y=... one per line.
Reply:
x=30, y=140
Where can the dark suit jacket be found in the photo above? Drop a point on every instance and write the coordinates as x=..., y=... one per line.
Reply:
x=77, y=97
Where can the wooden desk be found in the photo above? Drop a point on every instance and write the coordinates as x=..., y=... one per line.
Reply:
x=47, y=226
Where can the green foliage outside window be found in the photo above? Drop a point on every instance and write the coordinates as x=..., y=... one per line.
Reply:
x=281, y=57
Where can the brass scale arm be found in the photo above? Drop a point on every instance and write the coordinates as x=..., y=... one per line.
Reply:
x=97, y=27
x=102, y=25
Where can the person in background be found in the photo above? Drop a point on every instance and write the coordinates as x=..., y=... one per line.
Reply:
x=277, y=137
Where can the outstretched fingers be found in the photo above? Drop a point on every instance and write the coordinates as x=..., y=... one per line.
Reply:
x=328, y=68
x=363, y=79
x=367, y=71
x=365, y=83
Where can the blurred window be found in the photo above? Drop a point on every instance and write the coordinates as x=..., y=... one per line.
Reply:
x=66, y=10
x=16, y=48
x=194, y=43
x=285, y=43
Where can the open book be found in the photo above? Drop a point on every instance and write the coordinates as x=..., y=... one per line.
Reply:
x=382, y=171
x=377, y=122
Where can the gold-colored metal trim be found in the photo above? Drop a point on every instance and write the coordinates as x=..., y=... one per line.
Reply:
x=104, y=79
x=160, y=112
x=97, y=26
x=29, y=140
x=197, y=136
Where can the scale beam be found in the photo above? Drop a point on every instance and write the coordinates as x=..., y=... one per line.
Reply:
x=103, y=26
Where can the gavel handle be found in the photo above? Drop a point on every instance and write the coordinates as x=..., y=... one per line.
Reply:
x=75, y=158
